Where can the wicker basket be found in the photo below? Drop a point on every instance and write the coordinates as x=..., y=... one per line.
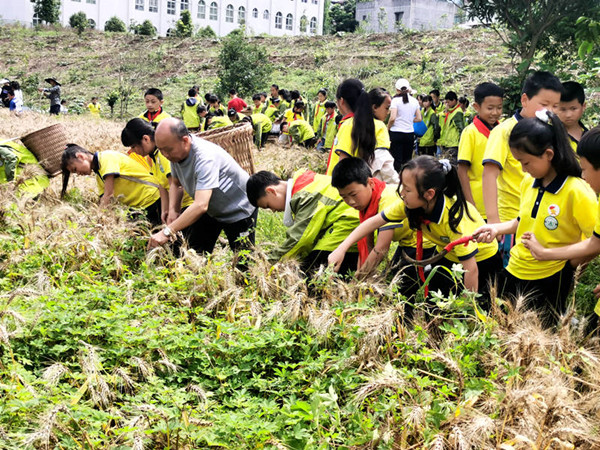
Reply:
x=237, y=140
x=48, y=145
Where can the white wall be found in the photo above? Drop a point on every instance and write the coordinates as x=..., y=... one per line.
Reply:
x=101, y=10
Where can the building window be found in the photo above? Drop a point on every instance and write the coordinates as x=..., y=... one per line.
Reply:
x=398, y=16
x=304, y=1
x=92, y=2
x=214, y=11
x=139, y=5
x=170, y=31
x=92, y=23
x=201, y=9
x=289, y=22
x=229, y=14
x=76, y=1
x=241, y=15
x=315, y=2
x=313, y=25
x=266, y=14
x=152, y=5
x=255, y=13
x=185, y=4
x=303, y=24
x=170, y=7
x=36, y=20
x=279, y=20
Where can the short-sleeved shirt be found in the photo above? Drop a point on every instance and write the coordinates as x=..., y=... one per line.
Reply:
x=498, y=152
x=597, y=227
x=405, y=114
x=94, y=108
x=559, y=214
x=237, y=103
x=439, y=232
x=160, y=167
x=343, y=141
x=139, y=193
x=209, y=167
x=470, y=151
x=402, y=232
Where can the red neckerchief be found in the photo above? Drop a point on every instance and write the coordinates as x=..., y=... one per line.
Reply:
x=482, y=127
x=450, y=112
x=302, y=181
x=370, y=211
x=346, y=117
x=327, y=119
x=151, y=116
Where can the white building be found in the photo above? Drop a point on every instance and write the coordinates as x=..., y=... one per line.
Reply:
x=385, y=16
x=273, y=17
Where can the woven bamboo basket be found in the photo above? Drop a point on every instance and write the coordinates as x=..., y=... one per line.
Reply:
x=237, y=140
x=48, y=145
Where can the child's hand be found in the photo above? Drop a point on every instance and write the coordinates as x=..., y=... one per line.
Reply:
x=597, y=291
x=486, y=233
x=335, y=259
x=530, y=242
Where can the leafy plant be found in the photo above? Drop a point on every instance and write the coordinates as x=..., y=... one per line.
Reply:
x=115, y=25
x=184, y=26
x=79, y=22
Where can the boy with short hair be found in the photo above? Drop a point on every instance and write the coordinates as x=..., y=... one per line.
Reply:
x=474, y=138
x=215, y=105
x=234, y=116
x=294, y=113
x=327, y=129
x=94, y=107
x=258, y=104
x=452, y=123
x=154, y=112
x=435, y=96
x=272, y=111
x=317, y=218
x=190, y=111
x=300, y=132
x=571, y=109
x=236, y=102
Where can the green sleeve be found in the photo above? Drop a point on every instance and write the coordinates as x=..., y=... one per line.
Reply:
x=10, y=161
x=304, y=233
x=459, y=121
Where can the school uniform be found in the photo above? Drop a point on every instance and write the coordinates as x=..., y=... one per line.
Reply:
x=558, y=214
x=326, y=132
x=94, y=109
x=272, y=112
x=427, y=142
x=154, y=117
x=471, y=148
x=317, y=221
x=301, y=133
x=452, y=124
x=318, y=114
x=13, y=159
x=189, y=113
x=574, y=142
x=219, y=121
x=262, y=126
x=597, y=235
x=258, y=109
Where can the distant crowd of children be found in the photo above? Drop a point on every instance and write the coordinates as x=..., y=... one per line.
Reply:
x=513, y=201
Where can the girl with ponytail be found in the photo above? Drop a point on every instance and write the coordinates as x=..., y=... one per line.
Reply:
x=433, y=201
x=556, y=207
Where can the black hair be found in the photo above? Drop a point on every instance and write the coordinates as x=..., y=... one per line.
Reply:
x=257, y=183
x=247, y=119
x=213, y=99
x=135, y=130
x=219, y=112
x=322, y=91
x=486, y=89
x=94, y=98
x=264, y=94
x=64, y=101
x=295, y=95
x=276, y=86
x=330, y=104
x=431, y=174
x=403, y=93
x=350, y=170
x=541, y=80
x=338, y=119
x=451, y=95
x=196, y=88
x=232, y=91
x=435, y=92
x=463, y=100
x=589, y=147
x=573, y=91
x=363, y=127
x=207, y=96
x=299, y=104
x=69, y=154
x=285, y=94
x=421, y=97
x=255, y=97
x=231, y=112
x=201, y=109
x=377, y=96
x=428, y=98
x=207, y=118
x=192, y=92
x=155, y=92
x=15, y=85
x=534, y=136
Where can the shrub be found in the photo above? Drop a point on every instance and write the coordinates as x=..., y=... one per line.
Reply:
x=207, y=32
x=184, y=26
x=115, y=25
x=79, y=22
x=146, y=29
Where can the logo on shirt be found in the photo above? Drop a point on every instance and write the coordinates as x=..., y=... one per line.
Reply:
x=551, y=223
x=445, y=239
x=553, y=210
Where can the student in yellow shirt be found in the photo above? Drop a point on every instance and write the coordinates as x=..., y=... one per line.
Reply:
x=433, y=202
x=589, y=158
x=117, y=176
x=327, y=128
x=556, y=205
x=300, y=132
x=258, y=104
x=319, y=110
x=570, y=111
x=154, y=112
x=215, y=105
x=216, y=121
x=488, y=104
x=94, y=107
x=452, y=123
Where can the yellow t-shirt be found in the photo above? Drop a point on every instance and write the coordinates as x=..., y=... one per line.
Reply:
x=343, y=141
x=130, y=193
x=597, y=227
x=290, y=115
x=438, y=229
x=94, y=109
x=402, y=232
x=498, y=152
x=160, y=167
x=558, y=215
x=470, y=151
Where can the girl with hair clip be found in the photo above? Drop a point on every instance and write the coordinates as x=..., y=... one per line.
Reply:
x=555, y=204
x=404, y=112
x=359, y=134
x=433, y=202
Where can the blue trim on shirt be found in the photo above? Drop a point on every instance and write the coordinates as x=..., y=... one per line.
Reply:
x=469, y=256
x=493, y=161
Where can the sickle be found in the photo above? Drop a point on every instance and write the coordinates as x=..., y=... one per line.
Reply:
x=425, y=262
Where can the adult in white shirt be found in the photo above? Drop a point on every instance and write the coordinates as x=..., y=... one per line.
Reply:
x=404, y=112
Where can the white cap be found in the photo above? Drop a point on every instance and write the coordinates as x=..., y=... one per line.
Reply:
x=402, y=83
x=4, y=81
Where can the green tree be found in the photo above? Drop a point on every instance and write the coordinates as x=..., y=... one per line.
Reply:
x=327, y=18
x=206, y=32
x=531, y=27
x=115, y=25
x=184, y=26
x=79, y=22
x=242, y=65
x=343, y=17
x=47, y=10
x=146, y=29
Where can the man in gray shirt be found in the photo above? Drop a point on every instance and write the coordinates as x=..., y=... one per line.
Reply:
x=217, y=184
x=53, y=94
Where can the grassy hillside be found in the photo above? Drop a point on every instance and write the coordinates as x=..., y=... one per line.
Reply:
x=95, y=63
